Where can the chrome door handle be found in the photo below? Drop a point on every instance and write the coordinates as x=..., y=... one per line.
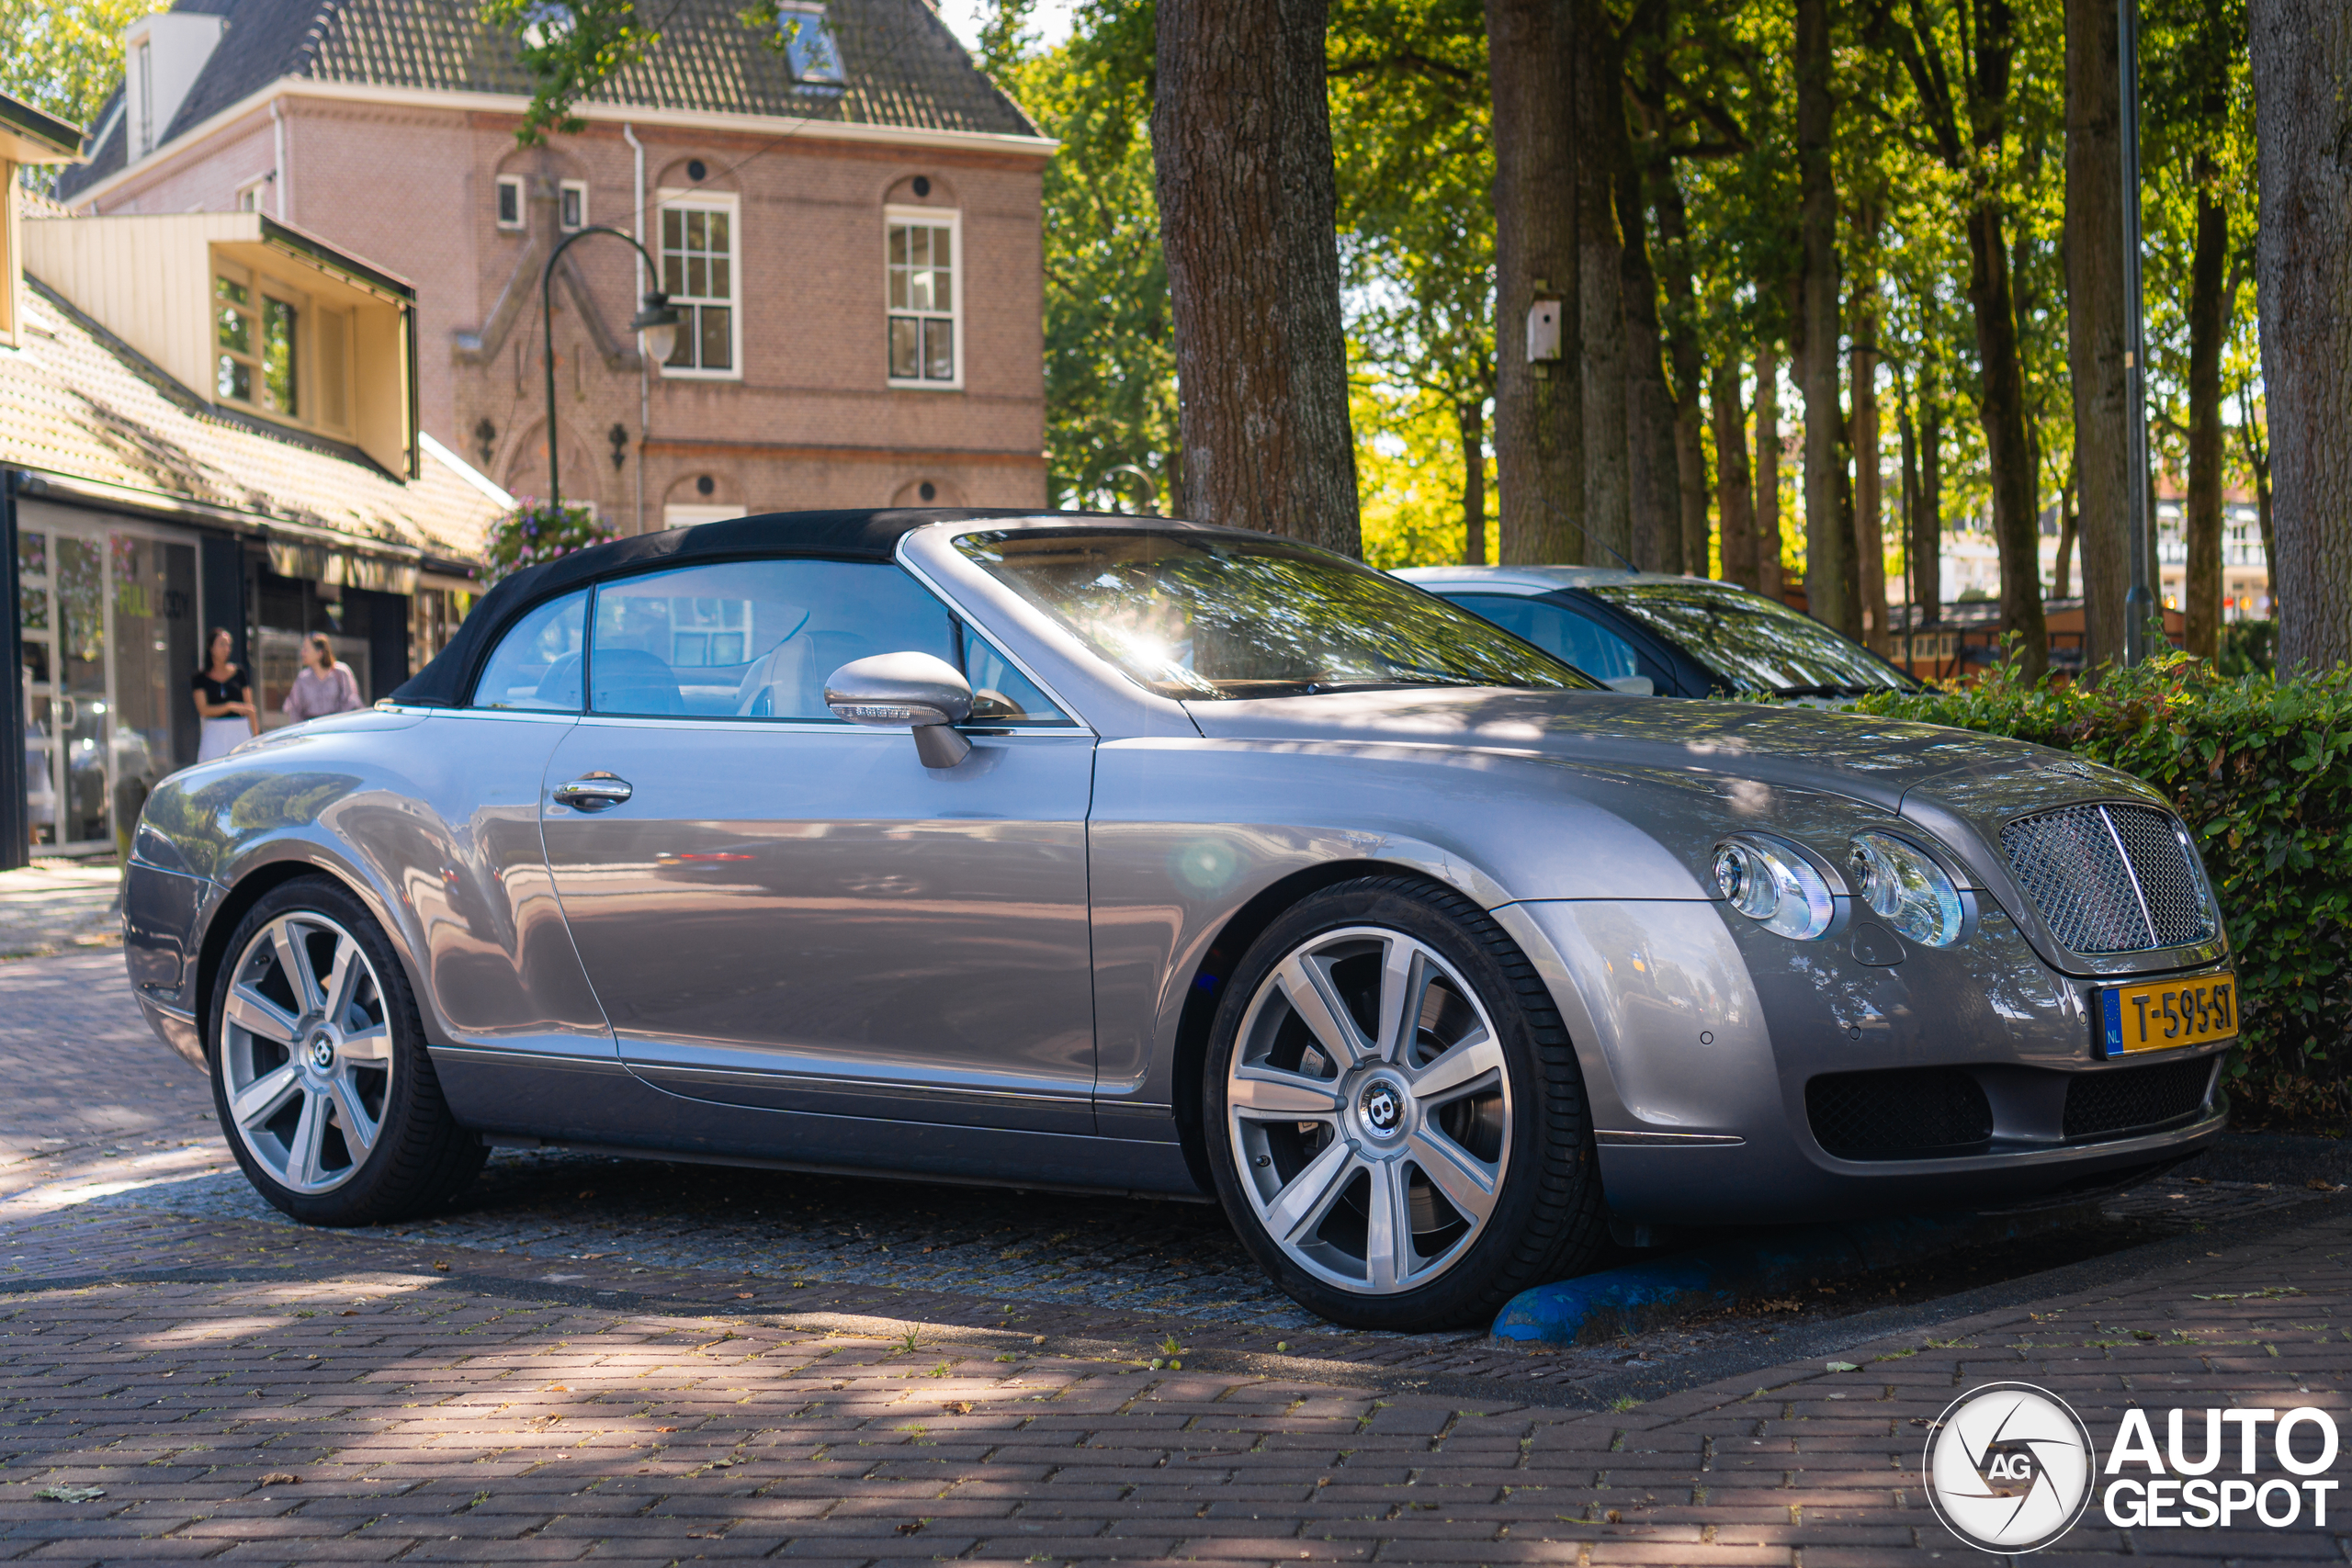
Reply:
x=593, y=792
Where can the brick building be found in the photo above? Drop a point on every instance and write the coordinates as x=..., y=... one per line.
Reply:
x=850, y=224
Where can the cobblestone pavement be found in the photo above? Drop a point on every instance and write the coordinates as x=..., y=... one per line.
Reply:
x=58, y=906
x=242, y=1387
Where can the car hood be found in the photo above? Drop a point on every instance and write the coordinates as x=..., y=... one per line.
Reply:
x=1878, y=761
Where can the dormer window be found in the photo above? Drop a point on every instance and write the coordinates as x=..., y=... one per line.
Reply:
x=808, y=48
x=277, y=353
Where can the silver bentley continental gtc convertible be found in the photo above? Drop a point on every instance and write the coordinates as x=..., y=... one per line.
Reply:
x=1087, y=853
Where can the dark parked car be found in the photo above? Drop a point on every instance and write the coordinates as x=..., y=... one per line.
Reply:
x=1668, y=636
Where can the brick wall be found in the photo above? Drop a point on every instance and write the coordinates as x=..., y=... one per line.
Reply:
x=810, y=421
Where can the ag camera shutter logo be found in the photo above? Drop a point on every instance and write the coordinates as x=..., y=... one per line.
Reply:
x=2009, y=1468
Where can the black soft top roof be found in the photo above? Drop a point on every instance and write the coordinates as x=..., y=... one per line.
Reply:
x=838, y=536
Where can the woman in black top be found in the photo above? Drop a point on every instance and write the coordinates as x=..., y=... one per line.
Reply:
x=224, y=698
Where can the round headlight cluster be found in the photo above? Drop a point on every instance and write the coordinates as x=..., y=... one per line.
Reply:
x=1772, y=883
x=1904, y=888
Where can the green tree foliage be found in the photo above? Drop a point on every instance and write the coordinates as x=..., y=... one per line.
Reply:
x=64, y=56
x=1110, y=347
x=1409, y=129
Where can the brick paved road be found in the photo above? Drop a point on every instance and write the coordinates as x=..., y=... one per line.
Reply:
x=245, y=1390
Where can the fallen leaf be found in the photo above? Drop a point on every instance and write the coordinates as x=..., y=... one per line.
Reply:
x=71, y=1493
x=555, y=1388
x=1842, y=1366
x=2322, y=1184
x=444, y=1268
x=666, y=1428
x=910, y=1526
x=2142, y=1334
x=957, y=1407
x=348, y=1312
x=1614, y=1518
x=279, y=1478
x=743, y=1295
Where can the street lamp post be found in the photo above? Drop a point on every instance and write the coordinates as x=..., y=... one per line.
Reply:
x=656, y=324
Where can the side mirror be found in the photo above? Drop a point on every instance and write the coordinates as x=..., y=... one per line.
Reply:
x=899, y=691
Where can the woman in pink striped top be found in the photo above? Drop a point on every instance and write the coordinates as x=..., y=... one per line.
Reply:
x=325, y=685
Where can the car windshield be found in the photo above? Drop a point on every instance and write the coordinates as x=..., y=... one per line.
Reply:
x=1197, y=616
x=1751, y=641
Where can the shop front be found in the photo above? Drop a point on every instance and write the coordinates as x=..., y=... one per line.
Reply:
x=114, y=617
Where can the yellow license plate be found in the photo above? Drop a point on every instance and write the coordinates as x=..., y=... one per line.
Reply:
x=2160, y=1015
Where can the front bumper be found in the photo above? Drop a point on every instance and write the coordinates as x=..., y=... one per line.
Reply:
x=163, y=916
x=1699, y=1037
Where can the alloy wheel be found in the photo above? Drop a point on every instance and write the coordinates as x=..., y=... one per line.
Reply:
x=1369, y=1110
x=306, y=1051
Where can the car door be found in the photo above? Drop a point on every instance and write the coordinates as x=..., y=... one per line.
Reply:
x=782, y=910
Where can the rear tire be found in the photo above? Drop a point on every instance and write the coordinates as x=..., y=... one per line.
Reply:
x=320, y=1073
x=1396, y=1121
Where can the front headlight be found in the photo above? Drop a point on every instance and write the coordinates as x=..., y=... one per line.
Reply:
x=1771, y=883
x=1906, y=889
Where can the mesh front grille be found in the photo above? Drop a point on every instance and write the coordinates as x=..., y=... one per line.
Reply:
x=1901, y=1113
x=2109, y=878
x=2128, y=1099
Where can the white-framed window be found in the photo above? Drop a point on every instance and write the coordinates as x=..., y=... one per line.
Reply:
x=923, y=275
x=509, y=201
x=699, y=236
x=277, y=353
x=572, y=205
x=249, y=197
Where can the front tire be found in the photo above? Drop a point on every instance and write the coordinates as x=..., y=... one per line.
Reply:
x=1396, y=1125
x=320, y=1073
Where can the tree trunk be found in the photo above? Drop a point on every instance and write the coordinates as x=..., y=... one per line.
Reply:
x=1688, y=364
x=1242, y=135
x=2303, y=81
x=1767, y=474
x=2207, y=328
x=2257, y=461
x=1735, y=499
x=1600, y=127
x=2068, y=530
x=1927, y=527
x=1539, y=407
x=1653, y=485
x=2096, y=328
x=2016, y=530
x=1907, y=432
x=1827, y=562
x=1473, y=418
x=1870, y=537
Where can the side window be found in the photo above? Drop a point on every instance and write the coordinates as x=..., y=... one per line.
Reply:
x=1000, y=692
x=537, y=663
x=752, y=639
x=1598, y=651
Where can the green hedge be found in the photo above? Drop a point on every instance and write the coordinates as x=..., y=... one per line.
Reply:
x=2262, y=772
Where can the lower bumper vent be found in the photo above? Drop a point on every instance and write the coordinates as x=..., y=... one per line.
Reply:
x=2125, y=1101
x=1901, y=1114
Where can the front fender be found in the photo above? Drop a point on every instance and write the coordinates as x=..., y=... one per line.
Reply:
x=432, y=821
